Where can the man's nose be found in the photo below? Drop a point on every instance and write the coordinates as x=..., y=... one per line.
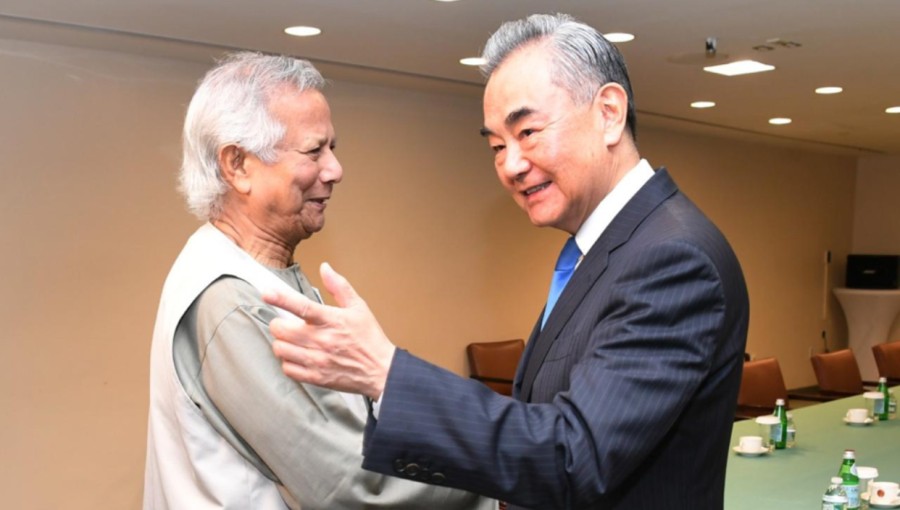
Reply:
x=332, y=171
x=515, y=164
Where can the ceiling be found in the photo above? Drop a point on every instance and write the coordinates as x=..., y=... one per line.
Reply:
x=854, y=44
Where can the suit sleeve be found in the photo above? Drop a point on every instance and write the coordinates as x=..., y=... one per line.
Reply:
x=305, y=435
x=649, y=341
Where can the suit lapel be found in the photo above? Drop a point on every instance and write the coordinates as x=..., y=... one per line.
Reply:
x=654, y=192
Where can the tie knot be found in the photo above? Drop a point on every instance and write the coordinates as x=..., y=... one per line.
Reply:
x=569, y=255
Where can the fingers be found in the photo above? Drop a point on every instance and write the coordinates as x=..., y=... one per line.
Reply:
x=296, y=362
x=297, y=304
x=338, y=286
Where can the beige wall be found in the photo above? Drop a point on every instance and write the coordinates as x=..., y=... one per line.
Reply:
x=876, y=217
x=90, y=141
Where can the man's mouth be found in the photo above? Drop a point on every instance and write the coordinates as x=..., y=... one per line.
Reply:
x=534, y=189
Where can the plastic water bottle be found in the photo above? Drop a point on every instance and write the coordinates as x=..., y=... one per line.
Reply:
x=834, y=497
x=791, y=431
x=849, y=479
x=892, y=407
x=882, y=406
x=780, y=431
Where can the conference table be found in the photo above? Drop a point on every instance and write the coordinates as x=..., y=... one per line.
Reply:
x=796, y=478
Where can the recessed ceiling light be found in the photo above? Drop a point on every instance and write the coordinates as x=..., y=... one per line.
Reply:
x=618, y=37
x=301, y=31
x=892, y=109
x=829, y=90
x=779, y=121
x=471, y=61
x=702, y=104
x=739, y=67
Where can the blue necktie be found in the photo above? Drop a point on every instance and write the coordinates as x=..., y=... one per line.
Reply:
x=565, y=266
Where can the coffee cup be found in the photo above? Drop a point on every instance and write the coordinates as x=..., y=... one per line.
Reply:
x=884, y=493
x=874, y=401
x=866, y=475
x=857, y=415
x=750, y=444
x=767, y=427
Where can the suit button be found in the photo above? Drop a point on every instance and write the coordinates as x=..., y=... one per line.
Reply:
x=399, y=465
x=438, y=477
x=412, y=469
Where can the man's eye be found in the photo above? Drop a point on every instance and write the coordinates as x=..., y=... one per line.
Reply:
x=497, y=148
x=526, y=133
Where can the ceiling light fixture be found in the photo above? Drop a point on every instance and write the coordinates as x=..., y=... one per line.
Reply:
x=618, y=37
x=702, y=104
x=829, y=90
x=739, y=67
x=779, y=121
x=301, y=31
x=892, y=109
x=471, y=61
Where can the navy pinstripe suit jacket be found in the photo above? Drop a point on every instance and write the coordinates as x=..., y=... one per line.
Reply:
x=624, y=400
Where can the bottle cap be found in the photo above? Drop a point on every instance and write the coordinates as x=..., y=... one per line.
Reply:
x=779, y=402
x=849, y=454
x=882, y=379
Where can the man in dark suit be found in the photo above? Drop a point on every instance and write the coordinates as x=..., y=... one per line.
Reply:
x=625, y=394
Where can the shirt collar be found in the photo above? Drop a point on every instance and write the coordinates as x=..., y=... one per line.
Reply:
x=612, y=204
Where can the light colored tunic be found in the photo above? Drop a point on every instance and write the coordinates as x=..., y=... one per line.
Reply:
x=227, y=429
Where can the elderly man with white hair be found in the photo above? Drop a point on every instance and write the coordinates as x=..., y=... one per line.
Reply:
x=227, y=429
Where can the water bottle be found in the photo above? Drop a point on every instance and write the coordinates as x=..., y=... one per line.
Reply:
x=791, y=431
x=834, y=498
x=892, y=407
x=882, y=406
x=849, y=479
x=780, y=431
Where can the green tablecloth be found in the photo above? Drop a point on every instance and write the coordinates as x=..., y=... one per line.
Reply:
x=796, y=478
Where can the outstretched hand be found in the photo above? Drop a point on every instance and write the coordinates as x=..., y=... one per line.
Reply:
x=339, y=347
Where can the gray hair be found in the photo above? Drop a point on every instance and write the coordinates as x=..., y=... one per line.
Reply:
x=231, y=106
x=583, y=59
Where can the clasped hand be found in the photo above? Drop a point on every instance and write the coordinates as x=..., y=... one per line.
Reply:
x=339, y=347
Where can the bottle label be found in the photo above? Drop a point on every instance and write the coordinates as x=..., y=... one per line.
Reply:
x=852, y=492
x=879, y=406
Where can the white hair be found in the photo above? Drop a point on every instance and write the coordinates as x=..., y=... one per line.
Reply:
x=231, y=106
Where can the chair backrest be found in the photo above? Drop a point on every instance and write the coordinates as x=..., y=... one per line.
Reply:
x=837, y=372
x=494, y=363
x=887, y=358
x=761, y=384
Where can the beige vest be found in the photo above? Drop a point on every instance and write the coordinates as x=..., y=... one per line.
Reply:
x=189, y=465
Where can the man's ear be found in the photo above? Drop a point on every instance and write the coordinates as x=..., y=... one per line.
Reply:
x=611, y=108
x=232, y=160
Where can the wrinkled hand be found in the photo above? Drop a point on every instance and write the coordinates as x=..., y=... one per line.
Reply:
x=342, y=347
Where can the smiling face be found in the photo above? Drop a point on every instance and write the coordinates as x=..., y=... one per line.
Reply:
x=287, y=198
x=554, y=155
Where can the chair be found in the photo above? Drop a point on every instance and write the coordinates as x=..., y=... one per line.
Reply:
x=494, y=363
x=837, y=373
x=887, y=358
x=761, y=385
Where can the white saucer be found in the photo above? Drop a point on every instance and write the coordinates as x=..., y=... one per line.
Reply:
x=868, y=421
x=762, y=450
x=890, y=504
